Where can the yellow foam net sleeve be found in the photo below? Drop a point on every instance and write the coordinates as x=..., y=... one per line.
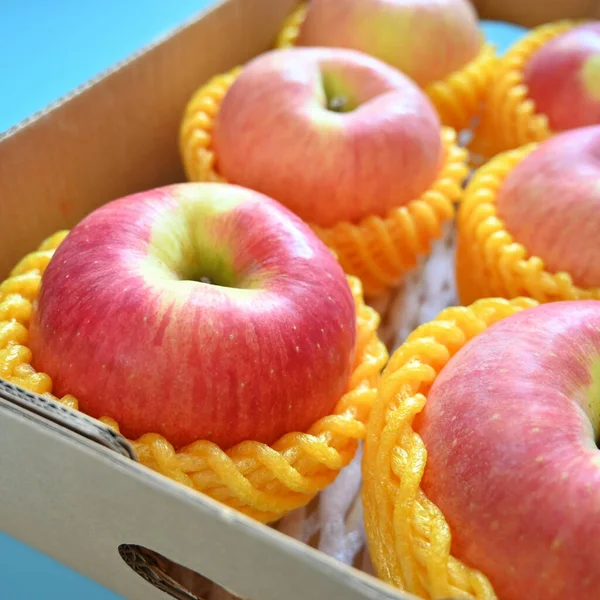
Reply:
x=264, y=482
x=489, y=263
x=458, y=98
x=409, y=539
x=509, y=119
x=377, y=250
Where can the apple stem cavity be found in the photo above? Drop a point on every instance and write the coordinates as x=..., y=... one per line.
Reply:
x=223, y=280
x=591, y=401
x=201, y=264
x=338, y=97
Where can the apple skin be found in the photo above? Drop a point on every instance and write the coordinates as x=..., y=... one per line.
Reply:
x=274, y=133
x=563, y=78
x=125, y=324
x=425, y=39
x=509, y=427
x=550, y=203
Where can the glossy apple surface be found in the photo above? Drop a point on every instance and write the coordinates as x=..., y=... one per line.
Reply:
x=550, y=203
x=196, y=311
x=332, y=134
x=563, y=78
x=426, y=39
x=510, y=426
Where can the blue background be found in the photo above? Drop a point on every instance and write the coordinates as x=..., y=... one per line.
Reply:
x=46, y=49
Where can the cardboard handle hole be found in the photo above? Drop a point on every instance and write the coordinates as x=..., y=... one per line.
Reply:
x=170, y=577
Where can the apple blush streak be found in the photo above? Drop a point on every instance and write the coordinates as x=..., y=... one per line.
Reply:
x=266, y=349
x=509, y=428
x=332, y=134
x=550, y=204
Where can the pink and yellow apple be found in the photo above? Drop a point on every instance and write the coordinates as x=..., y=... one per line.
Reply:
x=511, y=425
x=426, y=39
x=334, y=135
x=550, y=203
x=196, y=311
x=563, y=78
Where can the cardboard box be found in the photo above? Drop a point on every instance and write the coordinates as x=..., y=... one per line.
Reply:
x=70, y=486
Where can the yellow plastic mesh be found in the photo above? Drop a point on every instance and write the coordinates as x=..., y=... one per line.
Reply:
x=377, y=250
x=408, y=536
x=288, y=34
x=264, y=482
x=458, y=98
x=489, y=263
x=510, y=119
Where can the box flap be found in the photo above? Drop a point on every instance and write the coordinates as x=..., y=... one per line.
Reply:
x=118, y=134
x=79, y=502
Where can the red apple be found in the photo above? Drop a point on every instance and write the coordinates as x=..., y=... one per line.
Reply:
x=563, y=78
x=332, y=134
x=196, y=311
x=510, y=427
x=550, y=203
x=426, y=39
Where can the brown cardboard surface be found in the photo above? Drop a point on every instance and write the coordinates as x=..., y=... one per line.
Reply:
x=535, y=12
x=78, y=501
x=64, y=491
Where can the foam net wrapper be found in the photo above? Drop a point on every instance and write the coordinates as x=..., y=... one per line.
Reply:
x=510, y=118
x=409, y=538
x=378, y=250
x=458, y=98
x=490, y=263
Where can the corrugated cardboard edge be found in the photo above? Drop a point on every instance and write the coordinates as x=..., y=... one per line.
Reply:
x=71, y=420
x=102, y=75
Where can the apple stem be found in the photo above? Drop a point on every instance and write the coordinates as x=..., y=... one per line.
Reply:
x=337, y=104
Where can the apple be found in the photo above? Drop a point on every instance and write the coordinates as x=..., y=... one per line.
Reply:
x=199, y=312
x=426, y=39
x=550, y=203
x=563, y=78
x=510, y=426
x=333, y=134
